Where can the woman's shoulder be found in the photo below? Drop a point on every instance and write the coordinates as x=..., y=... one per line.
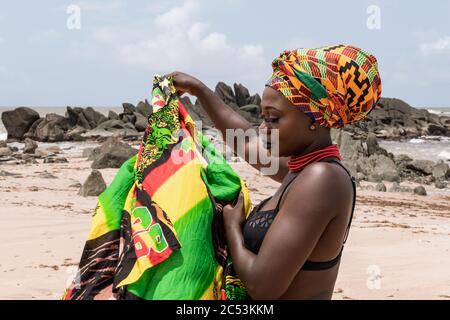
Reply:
x=324, y=185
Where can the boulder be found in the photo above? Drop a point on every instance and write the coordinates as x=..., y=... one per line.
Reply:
x=253, y=109
x=141, y=122
x=381, y=187
x=225, y=93
x=31, y=133
x=18, y=121
x=420, y=190
x=385, y=168
x=128, y=108
x=144, y=108
x=255, y=99
x=112, y=115
x=93, y=186
x=52, y=128
x=111, y=154
x=241, y=94
x=30, y=146
x=441, y=171
x=86, y=118
x=397, y=188
x=5, y=152
x=76, y=133
x=421, y=167
x=439, y=184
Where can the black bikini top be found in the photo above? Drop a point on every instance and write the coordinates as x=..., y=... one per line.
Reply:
x=258, y=223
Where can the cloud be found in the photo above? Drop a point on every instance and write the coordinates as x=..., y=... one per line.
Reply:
x=100, y=7
x=439, y=46
x=177, y=40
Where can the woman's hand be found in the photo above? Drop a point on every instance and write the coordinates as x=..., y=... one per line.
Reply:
x=234, y=216
x=186, y=83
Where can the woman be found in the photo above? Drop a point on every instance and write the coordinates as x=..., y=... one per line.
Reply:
x=290, y=247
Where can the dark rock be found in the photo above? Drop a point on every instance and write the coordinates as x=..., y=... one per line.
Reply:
x=437, y=130
x=381, y=187
x=75, y=134
x=111, y=154
x=30, y=146
x=372, y=144
x=241, y=94
x=225, y=93
x=18, y=121
x=86, y=118
x=94, y=118
x=360, y=176
x=33, y=189
x=144, y=108
x=253, y=109
x=112, y=115
x=385, y=168
x=47, y=175
x=53, y=128
x=31, y=133
x=128, y=118
x=3, y=144
x=93, y=186
x=397, y=188
x=255, y=99
x=141, y=122
x=420, y=190
x=439, y=184
x=75, y=185
x=114, y=125
x=374, y=177
x=4, y=173
x=197, y=112
x=128, y=108
x=5, y=152
x=421, y=167
x=52, y=159
x=441, y=171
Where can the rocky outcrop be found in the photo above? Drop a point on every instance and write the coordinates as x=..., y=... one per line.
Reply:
x=93, y=186
x=18, y=121
x=111, y=154
x=395, y=119
x=30, y=146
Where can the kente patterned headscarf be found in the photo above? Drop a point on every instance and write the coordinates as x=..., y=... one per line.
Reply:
x=334, y=86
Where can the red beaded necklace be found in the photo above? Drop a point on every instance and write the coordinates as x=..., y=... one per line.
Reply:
x=297, y=163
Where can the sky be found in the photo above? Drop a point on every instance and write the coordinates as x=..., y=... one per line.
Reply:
x=103, y=53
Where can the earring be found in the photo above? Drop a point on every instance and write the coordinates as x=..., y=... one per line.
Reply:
x=312, y=127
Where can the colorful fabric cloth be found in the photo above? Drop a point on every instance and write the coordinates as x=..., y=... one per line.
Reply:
x=334, y=86
x=157, y=231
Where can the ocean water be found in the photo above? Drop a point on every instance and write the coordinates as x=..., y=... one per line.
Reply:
x=424, y=148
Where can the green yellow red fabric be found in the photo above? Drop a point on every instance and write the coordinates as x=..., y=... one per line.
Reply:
x=156, y=232
x=334, y=85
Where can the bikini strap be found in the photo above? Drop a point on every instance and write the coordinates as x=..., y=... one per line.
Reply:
x=282, y=193
x=352, y=178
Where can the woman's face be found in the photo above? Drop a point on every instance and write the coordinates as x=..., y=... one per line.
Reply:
x=292, y=124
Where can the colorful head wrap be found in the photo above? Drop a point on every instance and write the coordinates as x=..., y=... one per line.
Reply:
x=334, y=86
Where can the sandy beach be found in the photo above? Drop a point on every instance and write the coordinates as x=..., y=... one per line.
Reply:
x=398, y=247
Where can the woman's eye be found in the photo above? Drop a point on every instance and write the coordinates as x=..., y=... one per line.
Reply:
x=271, y=120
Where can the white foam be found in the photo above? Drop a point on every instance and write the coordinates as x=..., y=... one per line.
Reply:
x=444, y=155
x=416, y=141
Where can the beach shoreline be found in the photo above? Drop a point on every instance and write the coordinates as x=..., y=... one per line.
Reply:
x=397, y=247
